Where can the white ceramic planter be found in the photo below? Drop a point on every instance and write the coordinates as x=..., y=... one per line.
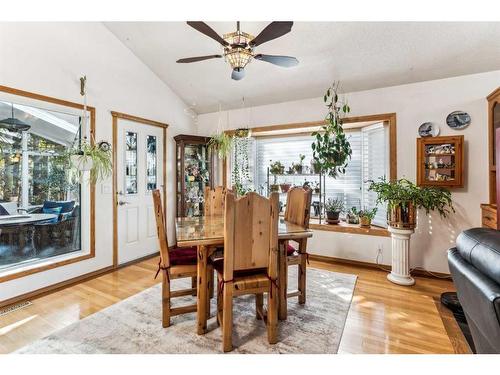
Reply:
x=82, y=163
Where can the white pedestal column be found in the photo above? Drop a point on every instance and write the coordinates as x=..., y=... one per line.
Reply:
x=400, y=272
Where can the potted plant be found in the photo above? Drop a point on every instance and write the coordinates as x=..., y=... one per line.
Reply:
x=316, y=187
x=315, y=167
x=242, y=133
x=285, y=187
x=366, y=216
x=274, y=188
x=331, y=149
x=221, y=143
x=352, y=216
x=94, y=158
x=333, y=208
x=276, y=168
x=403, y=198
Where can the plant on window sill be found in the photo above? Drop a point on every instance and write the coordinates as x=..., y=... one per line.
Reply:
x=331, y=149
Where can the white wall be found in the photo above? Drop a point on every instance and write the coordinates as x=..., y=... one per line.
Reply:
x=413, y=104
x=49, y=58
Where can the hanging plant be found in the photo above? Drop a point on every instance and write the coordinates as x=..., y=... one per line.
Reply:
x=331, y=149
x=221, y=143
x=240, y=175
x=242, y=133
x=96, y=159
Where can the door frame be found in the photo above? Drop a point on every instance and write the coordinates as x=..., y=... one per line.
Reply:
x=117, y=116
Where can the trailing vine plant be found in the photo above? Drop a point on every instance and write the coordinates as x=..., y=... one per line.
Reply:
x=331, y=148
x=240, y=176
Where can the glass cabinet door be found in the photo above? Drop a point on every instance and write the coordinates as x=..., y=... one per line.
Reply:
x=196, y=178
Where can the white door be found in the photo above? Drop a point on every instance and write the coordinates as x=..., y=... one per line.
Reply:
x=139, y=171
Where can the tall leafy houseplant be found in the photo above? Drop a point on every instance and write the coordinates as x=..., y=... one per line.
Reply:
x=331, y=149
x=403, y=197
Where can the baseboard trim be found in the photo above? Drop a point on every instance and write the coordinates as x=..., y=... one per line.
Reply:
x=358, y=263
x=67, y=283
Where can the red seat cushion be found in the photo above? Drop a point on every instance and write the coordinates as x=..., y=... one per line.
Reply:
x=219, y=268
x=180, y=256
x=290, y=250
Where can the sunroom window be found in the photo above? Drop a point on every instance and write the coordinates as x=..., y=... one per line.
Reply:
x=40, y=196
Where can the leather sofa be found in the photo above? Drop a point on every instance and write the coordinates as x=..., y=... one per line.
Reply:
x=475, y=267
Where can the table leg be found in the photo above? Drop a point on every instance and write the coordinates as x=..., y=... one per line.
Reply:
x=302, y=270
x=282, y=277
x=202, y=295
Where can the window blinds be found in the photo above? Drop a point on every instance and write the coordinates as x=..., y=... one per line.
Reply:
x=369, y=161
x=375, y=154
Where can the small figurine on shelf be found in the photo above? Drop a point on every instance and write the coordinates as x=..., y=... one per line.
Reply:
x=440, y=163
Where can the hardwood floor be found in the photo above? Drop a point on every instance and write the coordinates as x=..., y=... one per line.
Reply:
x=384, y=318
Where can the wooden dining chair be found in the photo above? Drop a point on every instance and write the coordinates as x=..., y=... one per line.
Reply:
x=250, y=264
x=214, y=201
x=175, y=263
x=298, y=204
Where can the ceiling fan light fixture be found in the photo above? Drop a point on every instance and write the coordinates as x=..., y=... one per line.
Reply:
x=238, y=52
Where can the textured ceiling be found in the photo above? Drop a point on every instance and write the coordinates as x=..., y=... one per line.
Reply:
x=362, y=55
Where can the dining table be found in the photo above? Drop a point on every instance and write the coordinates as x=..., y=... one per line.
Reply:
x=206, y=233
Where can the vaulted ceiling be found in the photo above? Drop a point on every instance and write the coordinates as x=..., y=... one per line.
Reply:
x=362, y=55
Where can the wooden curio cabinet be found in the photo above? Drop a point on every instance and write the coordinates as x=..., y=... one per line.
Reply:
x=194, y=171
x=440, y=161
x=489, y=212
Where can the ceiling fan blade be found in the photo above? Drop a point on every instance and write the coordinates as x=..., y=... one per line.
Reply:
x=272, y=31
x=203, y=28
x=238, y=74
x=285, y=61
x=198, y=58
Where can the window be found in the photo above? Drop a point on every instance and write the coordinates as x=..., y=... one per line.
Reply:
x=151, y=174
x=35, y=179
x=130, y=163
x=370, y=160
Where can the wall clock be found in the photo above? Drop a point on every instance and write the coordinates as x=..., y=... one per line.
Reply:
x=458, y=120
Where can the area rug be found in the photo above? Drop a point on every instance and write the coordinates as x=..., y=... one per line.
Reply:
x=134, y=324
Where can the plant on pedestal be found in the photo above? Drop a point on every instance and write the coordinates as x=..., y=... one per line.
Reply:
x=403, y=198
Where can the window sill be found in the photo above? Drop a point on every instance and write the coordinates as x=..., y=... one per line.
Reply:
x=44, y=265
x=343, y=227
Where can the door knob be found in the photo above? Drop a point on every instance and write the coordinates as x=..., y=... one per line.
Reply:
x=122, y=203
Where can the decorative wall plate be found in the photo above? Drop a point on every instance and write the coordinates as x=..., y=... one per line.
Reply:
x=458, y=120
x=428, y=129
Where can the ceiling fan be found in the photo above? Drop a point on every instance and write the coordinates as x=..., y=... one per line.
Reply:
x=238, y=47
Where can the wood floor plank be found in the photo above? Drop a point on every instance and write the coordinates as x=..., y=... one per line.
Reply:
x=384, y=317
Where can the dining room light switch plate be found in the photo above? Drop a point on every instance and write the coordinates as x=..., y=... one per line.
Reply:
x=106, y=189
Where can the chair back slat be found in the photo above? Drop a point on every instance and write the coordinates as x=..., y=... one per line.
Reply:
x=250, y=232
x=160, y=228
x=214, y=201
x=298, y=206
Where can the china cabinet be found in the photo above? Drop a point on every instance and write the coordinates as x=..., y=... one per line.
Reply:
x=194, y=165
x=489, y=213
x=440, y=161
